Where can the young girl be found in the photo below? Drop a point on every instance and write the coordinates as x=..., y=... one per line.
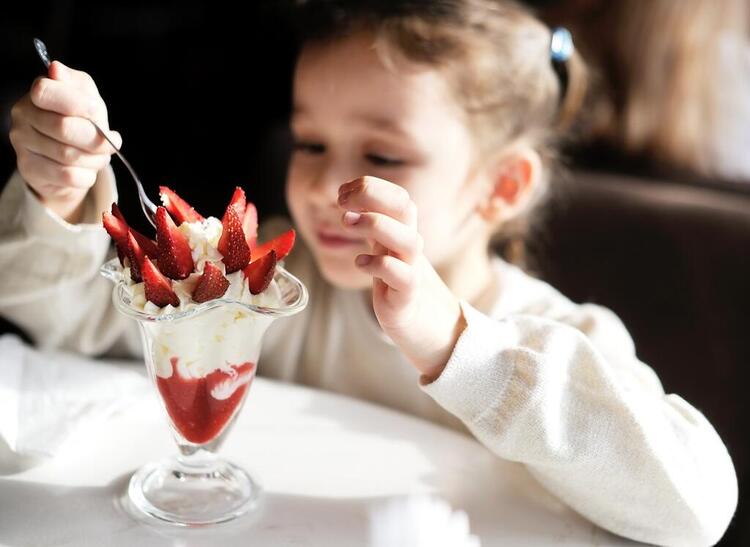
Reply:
x=449, y=110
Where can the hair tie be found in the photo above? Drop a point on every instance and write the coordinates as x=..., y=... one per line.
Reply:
x=560, y=51
x=561, y=44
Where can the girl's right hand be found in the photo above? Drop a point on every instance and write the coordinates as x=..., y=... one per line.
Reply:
x=59, y=151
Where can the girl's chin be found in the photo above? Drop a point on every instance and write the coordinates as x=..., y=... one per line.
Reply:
x=343, y=274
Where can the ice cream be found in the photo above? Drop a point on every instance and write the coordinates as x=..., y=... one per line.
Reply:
x=204, y=362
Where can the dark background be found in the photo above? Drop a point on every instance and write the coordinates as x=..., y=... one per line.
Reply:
x=200, y=92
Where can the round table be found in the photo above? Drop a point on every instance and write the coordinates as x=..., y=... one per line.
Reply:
x=327, y=464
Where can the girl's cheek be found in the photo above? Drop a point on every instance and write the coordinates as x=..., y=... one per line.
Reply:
x=294, y=197
x=296, y=208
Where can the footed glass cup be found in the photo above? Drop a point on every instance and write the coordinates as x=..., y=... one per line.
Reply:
x=201, y=362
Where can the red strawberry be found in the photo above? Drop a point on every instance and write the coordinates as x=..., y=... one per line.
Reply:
x=118, y=231
x=232, y=244
x=157, y=287
x=247, y=213
x=238, y=201
x=259, y=273
x=174, y=258
x=178, y=207
x=250, y=225
x=281, y=244
x=212, y=284
x=117, y=228
x=136, y=255
x=148, y=245
x=116, y=211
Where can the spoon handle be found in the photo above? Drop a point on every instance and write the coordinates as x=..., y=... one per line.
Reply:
x=149, y=209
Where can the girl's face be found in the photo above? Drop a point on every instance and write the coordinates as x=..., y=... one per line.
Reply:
x=355, y=116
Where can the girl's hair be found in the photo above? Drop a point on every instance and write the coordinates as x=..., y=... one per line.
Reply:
x=495, y=56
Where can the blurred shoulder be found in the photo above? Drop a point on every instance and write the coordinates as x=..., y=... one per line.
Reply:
x=520, y=293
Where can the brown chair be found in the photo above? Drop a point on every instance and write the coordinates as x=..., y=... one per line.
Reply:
x=673, y=261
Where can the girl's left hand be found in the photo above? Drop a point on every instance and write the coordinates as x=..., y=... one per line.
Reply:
x=412, y=304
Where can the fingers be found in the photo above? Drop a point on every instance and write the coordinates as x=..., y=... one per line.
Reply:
x=59, y=151
x=69, y=130
x=82, y=80
x=394, y=272
x=401, y=240
x=378, y=195
x=68, y=100
x=64, y=154
x=383, y=212
x=42, y=172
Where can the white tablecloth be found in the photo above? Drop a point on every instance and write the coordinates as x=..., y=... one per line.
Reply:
x=325, y=462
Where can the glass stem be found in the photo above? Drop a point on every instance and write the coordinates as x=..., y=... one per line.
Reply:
x=196, y=460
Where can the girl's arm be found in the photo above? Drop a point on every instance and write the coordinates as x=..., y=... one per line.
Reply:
x=557, y=387
x=49, y=269
x=567, y=397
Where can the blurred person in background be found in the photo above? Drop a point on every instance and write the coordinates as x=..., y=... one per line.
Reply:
x=672, y=82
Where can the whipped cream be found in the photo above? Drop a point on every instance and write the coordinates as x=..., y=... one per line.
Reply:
x=212, y=340
x=215, y=339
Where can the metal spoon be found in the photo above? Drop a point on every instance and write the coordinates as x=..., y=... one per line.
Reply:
x=149, y=209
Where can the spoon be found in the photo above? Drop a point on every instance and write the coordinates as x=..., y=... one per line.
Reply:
x=149, y=209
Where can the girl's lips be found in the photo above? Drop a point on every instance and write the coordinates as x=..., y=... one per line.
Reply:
x=333, y=240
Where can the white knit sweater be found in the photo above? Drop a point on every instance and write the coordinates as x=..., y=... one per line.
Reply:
x=534, y=377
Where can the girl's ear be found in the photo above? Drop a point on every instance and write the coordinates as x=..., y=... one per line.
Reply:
x=514, y=178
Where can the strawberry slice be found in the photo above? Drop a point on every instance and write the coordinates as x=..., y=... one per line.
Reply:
x=212, y=284
x=136, y=255
x=118, y=231
x=248, y=213
x=239, y=201
x=116, y=211
x=157, y=287
x=180, y=210
x=175, y=259
x=281, y=244
x=259, y=273
x=232, y=244
x=118, y=228
x=250, y=225
x=148, y=245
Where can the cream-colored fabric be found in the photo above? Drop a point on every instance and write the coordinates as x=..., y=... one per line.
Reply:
x=49, y=284
x=534, y=377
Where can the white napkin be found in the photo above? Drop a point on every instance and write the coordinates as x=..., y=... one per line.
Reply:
x=47, y=397
x=419, y=521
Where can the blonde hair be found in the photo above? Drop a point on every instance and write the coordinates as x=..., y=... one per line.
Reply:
x=496, y=58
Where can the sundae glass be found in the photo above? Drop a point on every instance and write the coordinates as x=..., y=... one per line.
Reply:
x=202, y=313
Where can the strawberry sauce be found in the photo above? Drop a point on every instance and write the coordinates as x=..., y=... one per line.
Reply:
x=201, y=407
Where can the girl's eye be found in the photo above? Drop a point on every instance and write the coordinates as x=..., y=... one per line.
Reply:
x=383, y=161
x=309, y=147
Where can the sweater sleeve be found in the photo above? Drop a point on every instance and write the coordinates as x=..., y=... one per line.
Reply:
x=569, y=399
x=51, y=285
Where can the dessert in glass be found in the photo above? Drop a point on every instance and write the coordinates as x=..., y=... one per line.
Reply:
x=203, y=295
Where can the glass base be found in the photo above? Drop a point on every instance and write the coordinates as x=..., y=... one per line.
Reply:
x=182, y=493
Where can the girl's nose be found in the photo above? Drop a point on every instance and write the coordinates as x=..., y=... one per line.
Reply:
x=324, y=187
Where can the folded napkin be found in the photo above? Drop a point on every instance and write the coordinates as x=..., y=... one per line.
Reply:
x=47, y=397
x=419, y=521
